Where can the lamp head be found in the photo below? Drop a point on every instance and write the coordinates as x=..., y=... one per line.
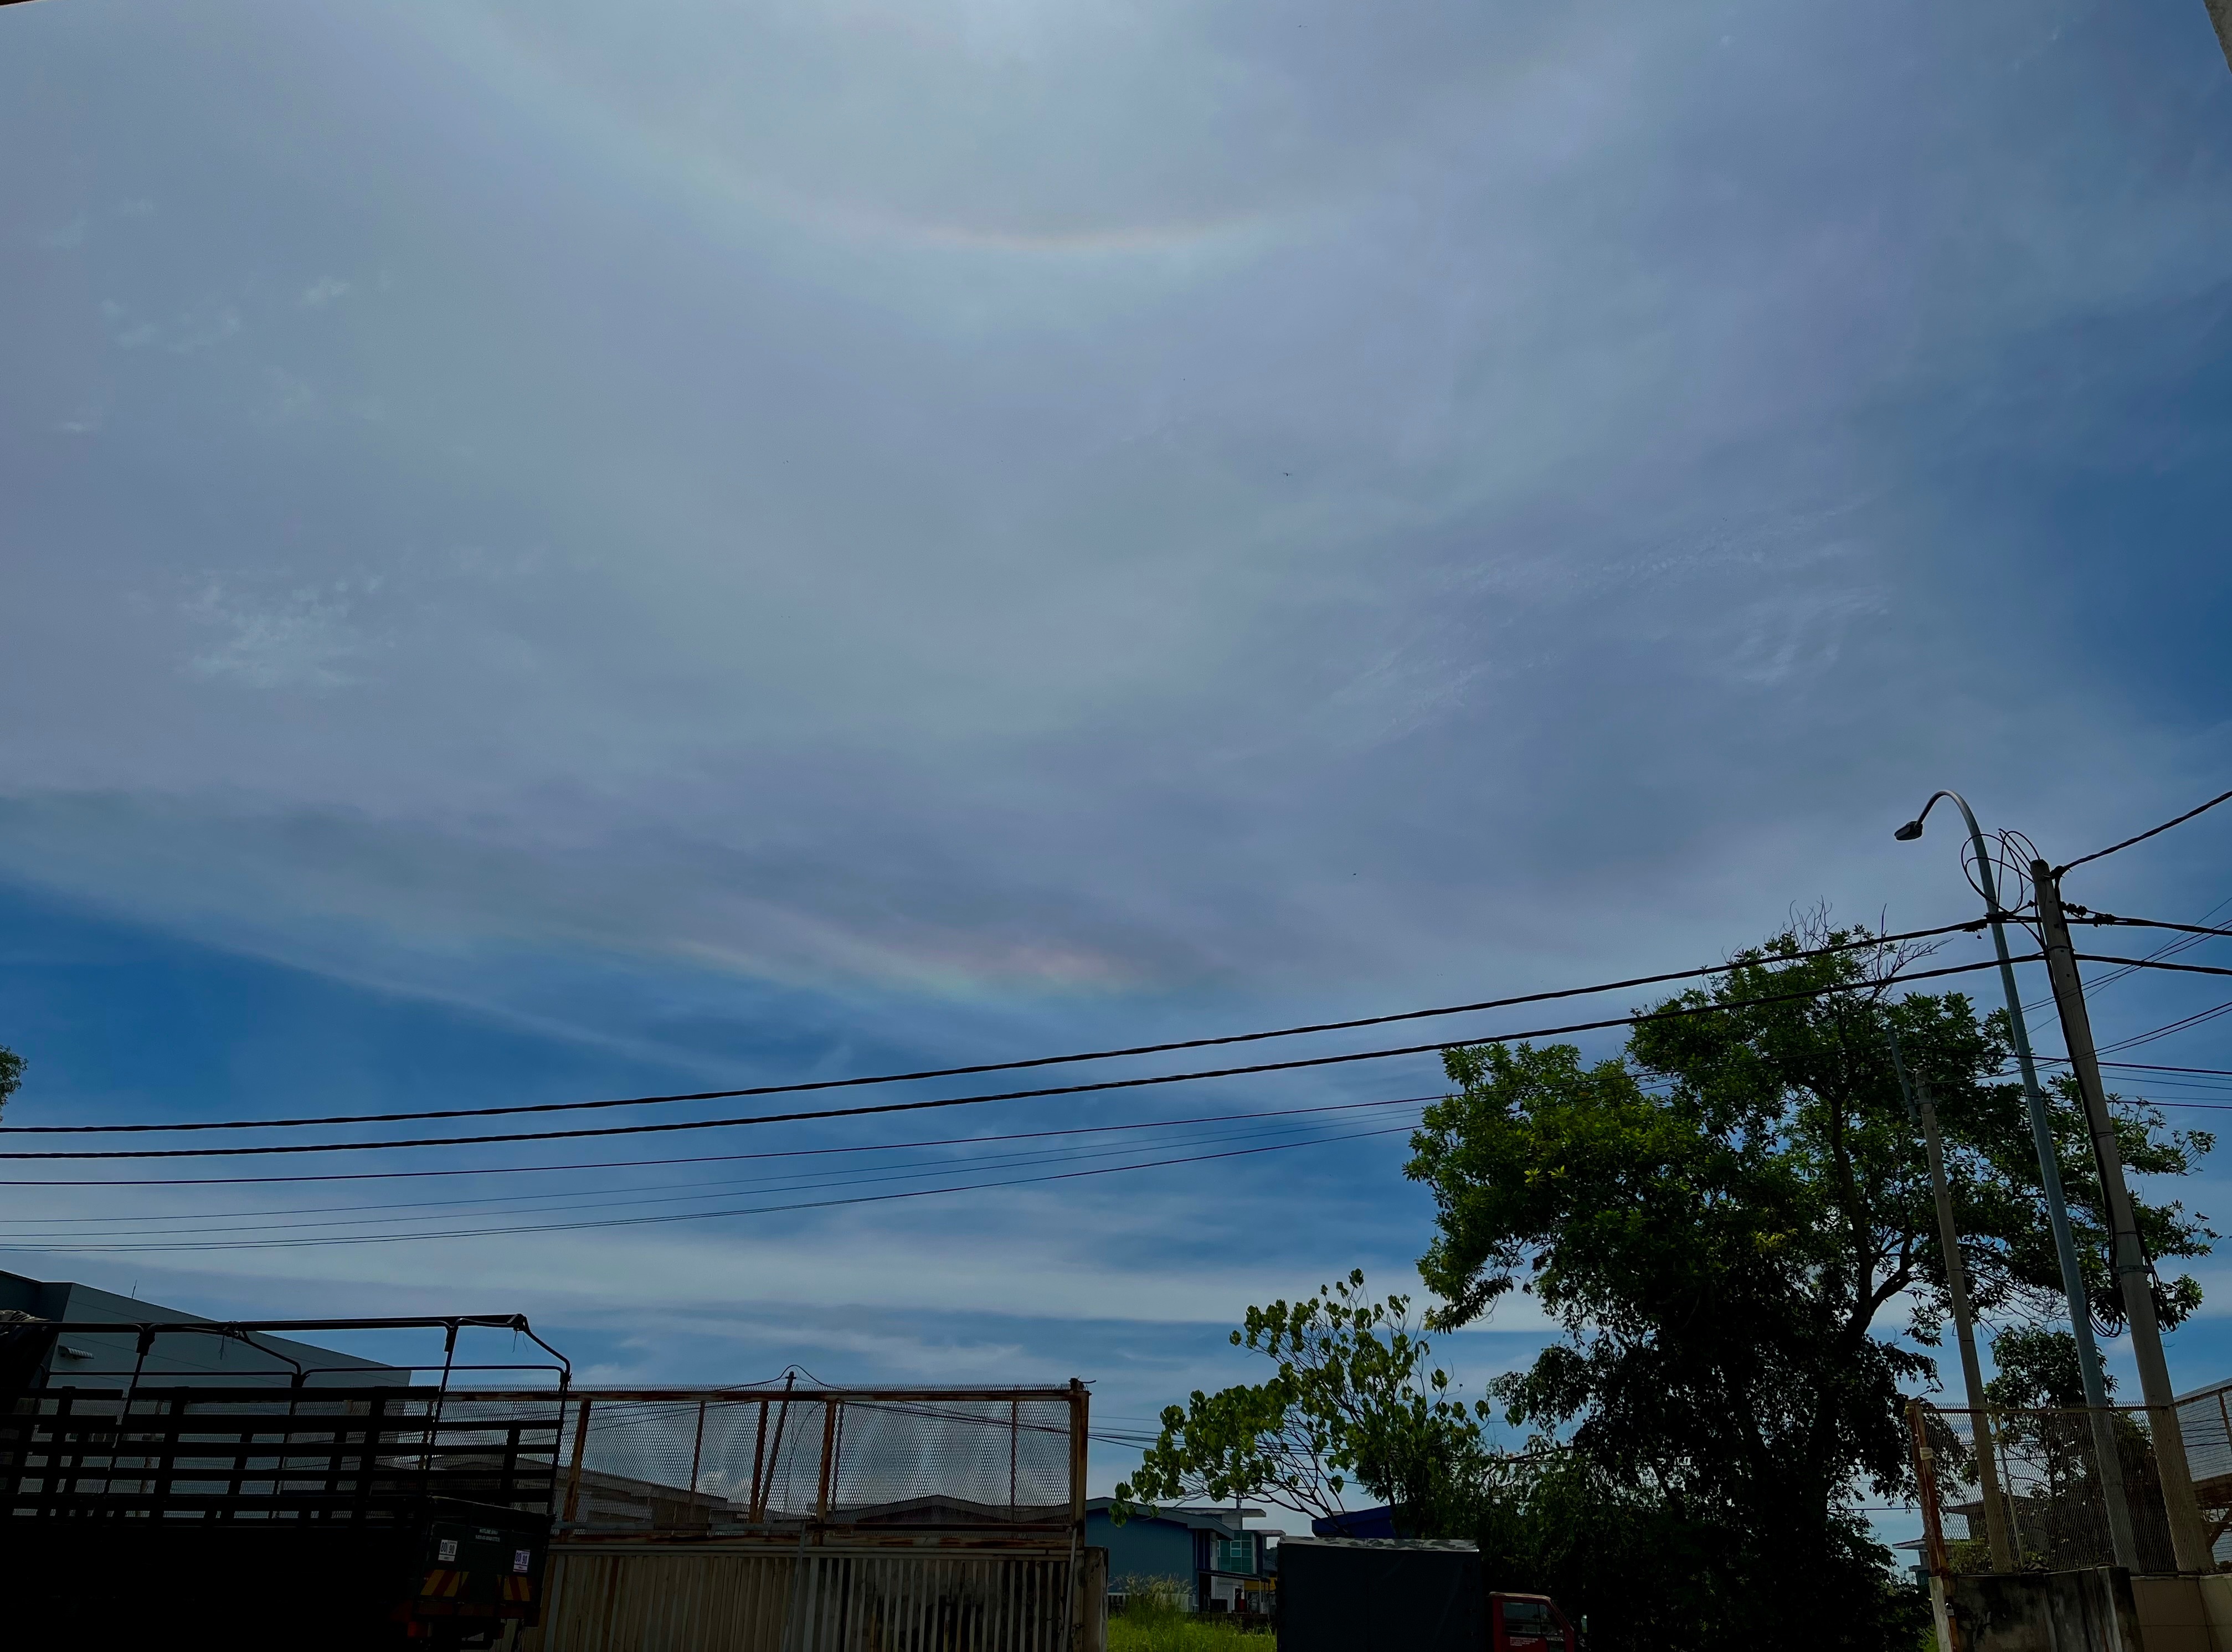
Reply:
x=1909, y=833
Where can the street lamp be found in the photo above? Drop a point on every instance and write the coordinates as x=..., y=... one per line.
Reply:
x=2057, y=1209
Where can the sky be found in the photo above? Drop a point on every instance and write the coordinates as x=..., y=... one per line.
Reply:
x=557, y=552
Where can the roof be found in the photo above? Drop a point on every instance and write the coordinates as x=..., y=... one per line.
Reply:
x=1224, y=1519
x=109, y=1355
x=1446, y=1546
x=940, y=1509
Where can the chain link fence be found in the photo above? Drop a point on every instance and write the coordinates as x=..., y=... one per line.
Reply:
x=715, y=1463
x=2053, y=1492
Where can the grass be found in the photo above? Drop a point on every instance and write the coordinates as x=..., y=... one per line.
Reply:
x=1152, y=1621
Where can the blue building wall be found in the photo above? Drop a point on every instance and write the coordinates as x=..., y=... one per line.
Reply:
x=1212, y=1558
x=1143, y=1548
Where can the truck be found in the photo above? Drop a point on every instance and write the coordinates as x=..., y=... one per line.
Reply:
x=1406, y=1594
x=141, y=1507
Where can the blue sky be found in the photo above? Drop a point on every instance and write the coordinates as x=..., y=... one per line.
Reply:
x=555, y=551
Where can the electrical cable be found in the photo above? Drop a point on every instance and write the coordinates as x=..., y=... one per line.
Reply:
x=1972, y=926
x=658, y=1193
x=2201, y=931
x=1291, y=1064
x=2153, y=963
x=701, y=1215
x=2150, y=832
x=2194, y=935
x=2183, y=1025
x=688, y=1158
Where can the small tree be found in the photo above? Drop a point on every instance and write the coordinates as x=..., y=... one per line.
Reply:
x=1354, y=1401
x=11, y=1075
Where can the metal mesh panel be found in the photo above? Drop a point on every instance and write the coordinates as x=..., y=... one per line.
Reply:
x=2049, y=1474
x=718, y=1462
x=2205, y=1420
x=1012, y=1457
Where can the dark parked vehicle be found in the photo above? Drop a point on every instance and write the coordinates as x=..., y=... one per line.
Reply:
x=1406, y=1594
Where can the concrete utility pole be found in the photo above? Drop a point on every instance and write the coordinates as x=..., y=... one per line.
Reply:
x=2107, y=1456
x=1920, y=1108
x=2188, y=1541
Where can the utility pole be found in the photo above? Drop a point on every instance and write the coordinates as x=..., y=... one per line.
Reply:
x=2133, y=1274
x=1920, y=1108
x=2106, y=1452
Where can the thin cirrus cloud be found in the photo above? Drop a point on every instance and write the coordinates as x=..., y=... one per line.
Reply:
x=735, y=540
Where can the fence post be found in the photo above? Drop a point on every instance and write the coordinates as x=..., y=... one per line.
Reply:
x=574, y=1474
x=1080, y=1403
x=1933, y=1531
x=756, y=1505
x=828, y=1451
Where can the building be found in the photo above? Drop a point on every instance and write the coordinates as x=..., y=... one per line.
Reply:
x=1216, y=1563
x=107, y=1358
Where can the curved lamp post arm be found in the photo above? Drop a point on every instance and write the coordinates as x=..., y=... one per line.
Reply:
x=2057, y=1205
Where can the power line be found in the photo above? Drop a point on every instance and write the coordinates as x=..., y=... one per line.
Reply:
x=2186, y=1024
x=701, y=1215
x=2200, y=930
x=690, y=1158
x=801, y=1087
x=1289, y=1066
x=2150, y=832
x=2153, y=963
x=637, y=1199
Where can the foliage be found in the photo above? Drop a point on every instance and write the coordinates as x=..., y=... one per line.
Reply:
x=2038, y=1369
x=1354, y=1400
x=11, y=1075
x=1154, y=1619
x=1718, y=1222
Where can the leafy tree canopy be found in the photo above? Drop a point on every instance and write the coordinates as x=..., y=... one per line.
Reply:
x=1720, y=1221
x=11, y=1074
x=1354, y=1402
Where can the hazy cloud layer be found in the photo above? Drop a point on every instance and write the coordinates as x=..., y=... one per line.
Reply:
x=733, y=539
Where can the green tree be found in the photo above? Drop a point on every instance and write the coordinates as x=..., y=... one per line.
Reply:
x=1722, y=1223
x=1354, y=1400
x=11, y=1075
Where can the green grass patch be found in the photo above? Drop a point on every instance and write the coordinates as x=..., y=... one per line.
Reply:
x=1152, y=1621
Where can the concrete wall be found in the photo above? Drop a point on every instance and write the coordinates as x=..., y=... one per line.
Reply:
x=2185, y=1614
x=2093, y=1611
x=2102, y=1609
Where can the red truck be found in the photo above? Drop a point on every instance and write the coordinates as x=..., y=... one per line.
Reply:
x=1529, y=1623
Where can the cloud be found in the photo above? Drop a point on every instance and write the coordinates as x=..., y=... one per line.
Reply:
x=938, y=528
x=301, y=639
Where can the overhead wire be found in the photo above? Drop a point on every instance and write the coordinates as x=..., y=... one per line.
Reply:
x=2151, y=832
x=804, y=1086
x=689, y=1158
x=174, y=1246
x=1097, y=1086
x=657, y=1192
